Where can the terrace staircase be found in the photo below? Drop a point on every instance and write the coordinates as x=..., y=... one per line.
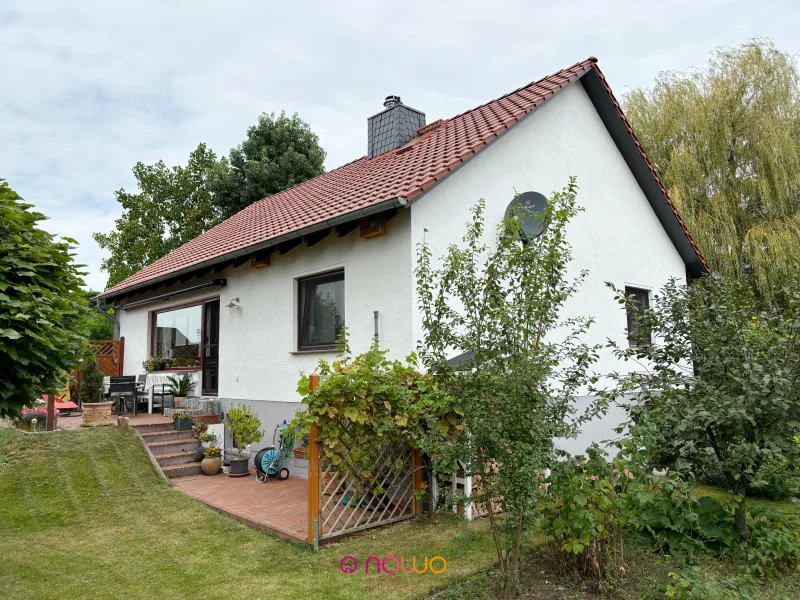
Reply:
x=173, y=450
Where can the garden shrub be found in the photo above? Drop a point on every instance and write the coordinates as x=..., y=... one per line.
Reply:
x=585, y=510
x=774, y=544
x=740, y=402
x=691, y=584
x=366, y=402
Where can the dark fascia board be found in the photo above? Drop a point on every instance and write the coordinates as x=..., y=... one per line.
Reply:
x=619, y=133
x=389, y=203
x=638, y=166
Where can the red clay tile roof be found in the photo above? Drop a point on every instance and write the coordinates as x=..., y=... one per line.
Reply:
x=406, y=172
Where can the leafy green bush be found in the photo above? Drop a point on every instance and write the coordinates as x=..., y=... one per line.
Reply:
x=740, y=402
x=367, y=402
x=692, y=584
x=41, y=306
x=585, y=510
x=774, y=544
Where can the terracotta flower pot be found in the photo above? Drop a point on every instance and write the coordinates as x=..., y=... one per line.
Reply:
x=177, y=401
x=97, y=414
x=300, y=453
x=211, y=465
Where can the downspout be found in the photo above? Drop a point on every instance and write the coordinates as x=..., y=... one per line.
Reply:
x=109, y=317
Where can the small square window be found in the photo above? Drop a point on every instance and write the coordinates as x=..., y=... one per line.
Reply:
x=320, y=311
x=638, y=334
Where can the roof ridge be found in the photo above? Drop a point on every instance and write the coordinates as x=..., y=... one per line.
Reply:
x=591, y=59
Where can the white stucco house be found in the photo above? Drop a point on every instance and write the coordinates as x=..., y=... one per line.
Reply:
x=260, y=297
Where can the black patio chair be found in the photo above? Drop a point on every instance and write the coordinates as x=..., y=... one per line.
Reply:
x=123, y=387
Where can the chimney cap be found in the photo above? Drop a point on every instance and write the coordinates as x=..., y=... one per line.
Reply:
x=391, y=101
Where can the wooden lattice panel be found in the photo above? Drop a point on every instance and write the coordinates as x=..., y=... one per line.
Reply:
x=347, y=505
x=108, y=356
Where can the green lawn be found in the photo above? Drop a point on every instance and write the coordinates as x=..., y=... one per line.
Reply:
x=84, y=515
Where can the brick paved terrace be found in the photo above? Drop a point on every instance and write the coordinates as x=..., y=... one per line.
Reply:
x=280, y=507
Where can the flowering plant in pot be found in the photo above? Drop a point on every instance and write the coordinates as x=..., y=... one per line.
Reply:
x=29, y=415
x=182, y=420
x=245, y=428
x=212, y=460
x=207, y=440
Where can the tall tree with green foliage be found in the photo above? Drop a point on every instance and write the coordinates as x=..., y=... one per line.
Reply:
x=173, y=205
x=499, y=306
x=278, y=153
x=722, y=384
x=41, y=306
x=176, y=204
x=725, y=140
x=96, y=325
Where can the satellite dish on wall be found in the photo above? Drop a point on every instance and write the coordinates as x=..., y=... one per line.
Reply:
x=530, y=208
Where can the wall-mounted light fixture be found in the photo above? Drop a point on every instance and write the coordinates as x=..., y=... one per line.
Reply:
x=233, y=304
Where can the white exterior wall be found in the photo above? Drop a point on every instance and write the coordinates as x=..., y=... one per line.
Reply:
x=258, y=341
x=618, y=238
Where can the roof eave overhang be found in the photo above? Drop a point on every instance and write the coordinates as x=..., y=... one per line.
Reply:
x=389, y=203
x=648, y=181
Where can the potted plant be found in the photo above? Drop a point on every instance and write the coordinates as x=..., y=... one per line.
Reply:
x=301, y=451
x=212, y=461
x=96, y=410
x=245, y=428
x=180, y=387
x=153, y=363
x=199, y=429
x=182, y=420
x=207, y=440
x=300, y=431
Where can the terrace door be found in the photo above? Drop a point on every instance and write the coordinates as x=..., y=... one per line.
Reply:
x=211, y=347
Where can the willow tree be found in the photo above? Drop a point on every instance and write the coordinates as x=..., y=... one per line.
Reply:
x=725, y=140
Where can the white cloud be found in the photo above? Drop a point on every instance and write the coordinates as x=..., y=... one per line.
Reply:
x=89, y=89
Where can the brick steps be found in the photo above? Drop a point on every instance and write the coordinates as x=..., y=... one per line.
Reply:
x=154, y=427
x=172, y=446
x=173, y=450
x=174, y=458
x=163, y=436
x=184, y=470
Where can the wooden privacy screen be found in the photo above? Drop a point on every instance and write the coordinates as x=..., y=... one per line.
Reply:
x=110, y=355
x=339, y=504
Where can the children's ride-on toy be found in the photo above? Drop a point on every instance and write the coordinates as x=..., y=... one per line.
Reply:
x=268, y=460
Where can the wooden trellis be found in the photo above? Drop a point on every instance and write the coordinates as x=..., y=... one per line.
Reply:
x=110, y=355
x=340, y=503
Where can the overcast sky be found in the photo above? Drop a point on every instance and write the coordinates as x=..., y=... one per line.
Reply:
x=87, y=89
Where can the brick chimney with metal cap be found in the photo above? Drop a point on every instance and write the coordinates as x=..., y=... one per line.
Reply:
x=393, y=127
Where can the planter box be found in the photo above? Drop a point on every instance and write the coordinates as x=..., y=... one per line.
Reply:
x=207, y=419
x=183, y=424
x=97, y=414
